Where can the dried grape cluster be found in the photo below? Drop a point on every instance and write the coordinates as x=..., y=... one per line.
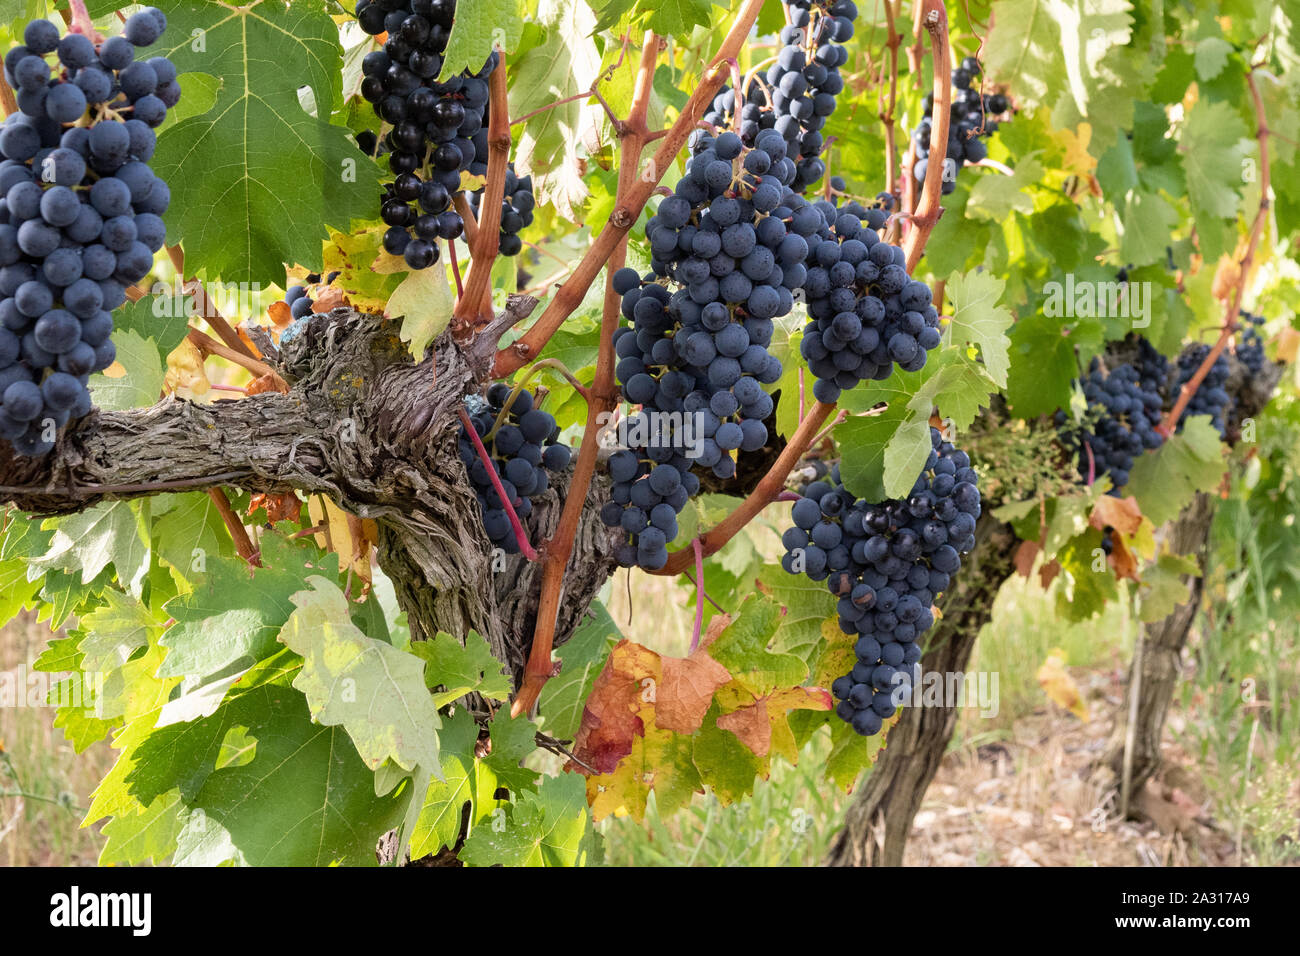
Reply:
x=968, y=125
x=81, y=217
x=886, y=562
x=523, y=450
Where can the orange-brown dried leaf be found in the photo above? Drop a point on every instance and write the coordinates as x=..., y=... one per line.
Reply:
x=621, y=700
x=1024, y=557
x=1123, y=561
x=686, y=690
x=764, y=727
x=1048, y=572
x=279, y=507
x=328, y=298
x=269, y=382
x=280, y=314
x=1122, y=514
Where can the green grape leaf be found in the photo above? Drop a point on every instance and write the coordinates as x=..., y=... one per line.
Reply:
x=513, y=739
x=979, y=320
x=461, y=668
x=234, y=613
x=137, y=382
x=553, y=143
x=188, y=530
x=1165, y=481
x=994, y=198
x=149, y=836
x=581, y=658
x=808, y=604
x=371, y=689
x=479, y=26
x=1043, y=362
x=1214, y=145
x=743, y=649
x=1211, y=56
x=115, y=631
x=256, y=180
x=545, y=828
x=465, y=780
x=161, y=316
x=115, y=532
x=314, y=797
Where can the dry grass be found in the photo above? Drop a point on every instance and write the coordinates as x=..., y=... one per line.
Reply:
x=42, y=827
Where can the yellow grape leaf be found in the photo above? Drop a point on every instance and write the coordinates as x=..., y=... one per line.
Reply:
x=366, y=273
x=763, y=725
x=185, y=369
x=1060, y=686
x=348, y=535
x=1078, y=161
x=660, y=761
x=424, y=302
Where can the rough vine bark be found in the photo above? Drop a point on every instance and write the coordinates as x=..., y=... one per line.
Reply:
x=1160, y=665
x=368, y=427
x=879, y=819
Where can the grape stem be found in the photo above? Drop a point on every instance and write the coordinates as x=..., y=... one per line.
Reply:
x=932, y=16
x=887, y=113
x=1233, y=306
x=699, y=592
x=520, y=535
x=238, y=533
x=207, y=345
x=81, y=21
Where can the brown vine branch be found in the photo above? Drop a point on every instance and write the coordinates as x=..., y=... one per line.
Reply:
x=887, y=114
x=238, y=533
x=1233, y=307
x=934, y=19
x=602, y=398
x=628, y=205
x=475, y=306
x=210, y=346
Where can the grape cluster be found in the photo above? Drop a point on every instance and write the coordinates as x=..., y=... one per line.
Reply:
x=81, y=217
x=797, y=94
x=886, y=562
x=1211, y=398
x=1124, y=405
x=1250, y=350
x=968, y=124
x=864, y=311
x=733, y=240
x=523, y=450
x=438, y=129
x=647, y=496
x=517, y=204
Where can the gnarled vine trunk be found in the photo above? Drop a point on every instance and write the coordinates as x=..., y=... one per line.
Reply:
x=1154, y=674
x=375, y=432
